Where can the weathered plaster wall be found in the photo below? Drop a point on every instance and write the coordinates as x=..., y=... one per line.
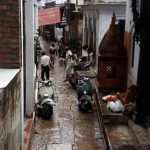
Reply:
x=10, y=116
x=133, y=54
x=11, y=101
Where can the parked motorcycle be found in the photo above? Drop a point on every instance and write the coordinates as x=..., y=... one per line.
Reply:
x=81, y=65
x=82, y=84
x=44, y=106
x=84, y=93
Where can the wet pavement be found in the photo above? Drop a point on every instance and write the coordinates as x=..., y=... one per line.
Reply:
x=68, y=129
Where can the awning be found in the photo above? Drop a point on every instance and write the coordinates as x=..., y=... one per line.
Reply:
x=49, y=16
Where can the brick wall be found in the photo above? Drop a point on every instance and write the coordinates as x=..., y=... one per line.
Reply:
x=9, y=34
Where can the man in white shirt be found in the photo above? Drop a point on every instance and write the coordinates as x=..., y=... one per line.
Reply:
x=45, y=64
x=59, y=38
x=71, y=58
x=84, y=57
x=85, y=51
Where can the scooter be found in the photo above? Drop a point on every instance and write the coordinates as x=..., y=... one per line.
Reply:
x=44, y=106
x=84, y=93
x=82, y=85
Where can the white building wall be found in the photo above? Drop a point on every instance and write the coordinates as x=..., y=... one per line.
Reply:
x=104, y=22
x=73, y=1
x=60, y=1
x=128, y=23
x=129, y=27
x=80, y=2
x=30, y=67
x=35, y=18
x=105, y=16
x=115, y=1
x=83, y=26
x=42, y=3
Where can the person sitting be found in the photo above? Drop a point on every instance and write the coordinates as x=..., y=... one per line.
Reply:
x=90, y=60
x=84, y=53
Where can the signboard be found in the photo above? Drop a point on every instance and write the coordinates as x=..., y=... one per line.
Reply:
x=49, y=16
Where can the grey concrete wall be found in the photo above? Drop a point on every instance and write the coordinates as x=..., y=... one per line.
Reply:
x=10, y=116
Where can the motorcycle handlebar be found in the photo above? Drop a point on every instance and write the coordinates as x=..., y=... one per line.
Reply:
x=46, y=82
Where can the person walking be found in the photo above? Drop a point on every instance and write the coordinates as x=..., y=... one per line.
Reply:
x=45, y=64
x=59, y=49
x=52, y=52
x=71, y=57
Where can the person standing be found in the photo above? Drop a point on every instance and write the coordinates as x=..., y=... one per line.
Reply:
x=59, y=38
x=45, y=64
x=85, y=52
x=52, y=52
x=59, y=44
x=71, y=58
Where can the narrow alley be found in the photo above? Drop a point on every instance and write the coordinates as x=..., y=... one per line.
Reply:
x=113, y=41
x=68, y=129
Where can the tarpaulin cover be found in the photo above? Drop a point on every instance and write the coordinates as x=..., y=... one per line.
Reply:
x=49, y=16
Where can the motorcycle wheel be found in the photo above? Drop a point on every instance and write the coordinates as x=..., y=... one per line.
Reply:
x=85, y=106
x=45, y=112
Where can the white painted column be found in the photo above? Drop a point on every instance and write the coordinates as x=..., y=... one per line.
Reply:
x=83, y=35
x=35, y=17
x=97, y=41
x=22, y=73
x=29, y=27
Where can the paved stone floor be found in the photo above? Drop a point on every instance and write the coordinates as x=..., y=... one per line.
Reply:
x=68, y=129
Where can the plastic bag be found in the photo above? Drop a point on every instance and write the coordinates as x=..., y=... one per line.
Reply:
x=115, y=106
